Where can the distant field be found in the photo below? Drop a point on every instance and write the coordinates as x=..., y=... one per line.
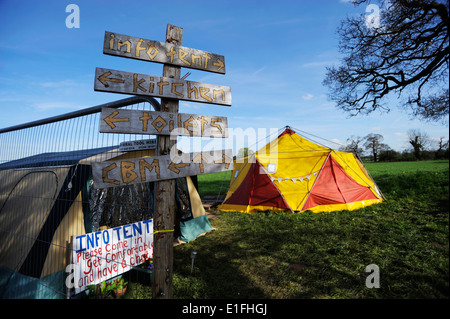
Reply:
x=380, y=169
x=213, y=184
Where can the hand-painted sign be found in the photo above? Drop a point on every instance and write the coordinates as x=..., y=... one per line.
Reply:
x=104, y=254
x=107, y=80
x=148, y=169
x=137, y=145
x=162, y=123
x=162, y=52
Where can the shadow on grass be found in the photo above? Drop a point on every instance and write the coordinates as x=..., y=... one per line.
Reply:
x=304, y=256
x=263, y=256
x=216, y=273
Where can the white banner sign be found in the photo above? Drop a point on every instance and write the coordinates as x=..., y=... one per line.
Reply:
x=105, y=254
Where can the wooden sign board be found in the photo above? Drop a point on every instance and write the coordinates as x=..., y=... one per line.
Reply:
x=157, y=168
x=162, y=123
x=150, y=85
x=140, y=145
x=162, y=52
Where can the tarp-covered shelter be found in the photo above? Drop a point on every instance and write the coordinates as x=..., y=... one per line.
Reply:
x=292, y=173
x=48, y=198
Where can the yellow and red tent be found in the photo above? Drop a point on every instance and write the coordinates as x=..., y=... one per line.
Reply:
x=292, y=173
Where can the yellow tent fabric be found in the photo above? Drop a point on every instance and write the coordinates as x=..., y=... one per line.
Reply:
x=294, y=174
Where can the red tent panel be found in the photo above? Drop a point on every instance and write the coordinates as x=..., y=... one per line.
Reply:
x=257, y=190
x=335, y=186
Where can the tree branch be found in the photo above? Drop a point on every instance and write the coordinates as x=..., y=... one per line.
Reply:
x=409, y=50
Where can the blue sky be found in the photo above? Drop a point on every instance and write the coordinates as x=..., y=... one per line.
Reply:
x=275, y=52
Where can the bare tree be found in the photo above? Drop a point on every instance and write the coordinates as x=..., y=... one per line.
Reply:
x=405, y=54
x=442, y=144
x=373, y=143
x=442, y=151
x=419, y=141
x=354, y=145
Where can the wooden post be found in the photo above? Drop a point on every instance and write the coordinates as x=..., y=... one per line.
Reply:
x=165, y=205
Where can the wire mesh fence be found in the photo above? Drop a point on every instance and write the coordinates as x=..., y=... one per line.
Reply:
x=46, y=196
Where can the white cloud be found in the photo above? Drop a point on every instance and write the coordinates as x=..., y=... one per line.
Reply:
x=337, y=142
x=63, y=83
x=45, y=106
x=307, y=97
x=401, y=135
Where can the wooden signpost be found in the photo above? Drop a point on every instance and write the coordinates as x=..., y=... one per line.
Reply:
x=162, y=123
x=165, y=167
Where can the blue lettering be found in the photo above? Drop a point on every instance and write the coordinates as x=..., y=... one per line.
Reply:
x=117, y=229
x=90, y=240
x=97, y=236
x=81, y=243
x=105, y=239
x=137, y=227
x=125, y=235
x=147, y=222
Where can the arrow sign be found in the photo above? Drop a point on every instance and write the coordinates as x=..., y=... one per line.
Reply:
x=110, y=120
x=175, y=167
x=149, y=85
x=226, y=160
x=200, y=159
x=220, y=64
x=148, y=169
x=104, y=79
x=162, y=52
x=162, y=123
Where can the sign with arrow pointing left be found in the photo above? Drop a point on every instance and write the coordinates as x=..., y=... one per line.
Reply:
x=162, y=123
x=150, y=85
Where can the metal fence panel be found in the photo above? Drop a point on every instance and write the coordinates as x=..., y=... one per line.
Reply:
x=45, y=196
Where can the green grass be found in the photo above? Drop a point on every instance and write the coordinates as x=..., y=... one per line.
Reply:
x=381, y=169
x=213, y=184
x=324, y=256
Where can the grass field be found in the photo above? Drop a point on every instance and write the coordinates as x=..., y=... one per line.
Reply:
x=281, y=255
x=214, y=184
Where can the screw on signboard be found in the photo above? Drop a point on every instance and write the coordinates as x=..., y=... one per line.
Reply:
x=193, y=254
